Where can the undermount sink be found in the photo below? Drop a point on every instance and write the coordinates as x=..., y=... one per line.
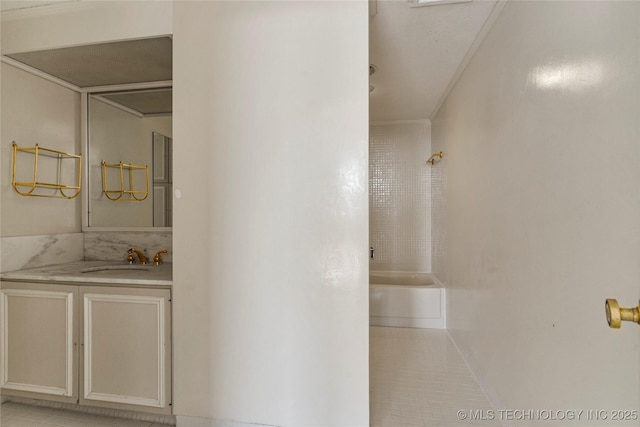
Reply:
x=118, y=267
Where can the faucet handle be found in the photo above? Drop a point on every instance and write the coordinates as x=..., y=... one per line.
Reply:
x=157, y=258
x=130, y=257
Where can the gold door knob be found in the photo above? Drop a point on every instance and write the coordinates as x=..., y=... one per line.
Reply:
x=616, y=315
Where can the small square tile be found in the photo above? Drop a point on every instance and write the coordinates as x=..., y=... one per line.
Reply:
x=19, y=415
x=418, y=378
x=14, y=422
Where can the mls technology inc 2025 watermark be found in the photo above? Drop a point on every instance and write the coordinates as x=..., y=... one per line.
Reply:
x=547, y=415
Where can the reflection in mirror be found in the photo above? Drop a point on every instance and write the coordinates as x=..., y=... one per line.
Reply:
x=133, y=127
x=161, y=180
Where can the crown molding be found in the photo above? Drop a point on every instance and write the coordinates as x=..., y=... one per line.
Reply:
x=55, y=8
x=488, y=24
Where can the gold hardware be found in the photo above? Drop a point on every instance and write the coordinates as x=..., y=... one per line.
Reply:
x=131, y=194
x=157, y=258
x=35, y=187
x=131, y=258
x=616, y=315
x=435, y=158
x=143, y=259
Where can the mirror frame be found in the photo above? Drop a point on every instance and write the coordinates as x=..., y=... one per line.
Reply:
x=84, y=139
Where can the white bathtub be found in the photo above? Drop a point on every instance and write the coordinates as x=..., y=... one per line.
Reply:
x=410, y=300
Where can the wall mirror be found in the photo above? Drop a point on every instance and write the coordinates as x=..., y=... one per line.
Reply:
x=126, y=97
x=125, y=89
x=129, y=142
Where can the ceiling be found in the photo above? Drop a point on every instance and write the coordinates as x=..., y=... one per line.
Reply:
x=131, y=61
x=148, y=102
x=114, y=63
x=417, y=51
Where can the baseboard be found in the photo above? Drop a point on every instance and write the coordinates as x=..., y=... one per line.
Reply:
x=407, y=322
x=107, y=412
x=489, y=392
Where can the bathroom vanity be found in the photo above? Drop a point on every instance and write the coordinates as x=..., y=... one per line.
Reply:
x=93, y=333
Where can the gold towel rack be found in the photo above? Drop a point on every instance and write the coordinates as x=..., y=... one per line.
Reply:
x=435, y=158
x=55, y=160
x=128, y=194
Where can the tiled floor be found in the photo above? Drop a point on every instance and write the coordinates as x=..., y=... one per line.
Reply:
x=418, y=378
x=18, y=415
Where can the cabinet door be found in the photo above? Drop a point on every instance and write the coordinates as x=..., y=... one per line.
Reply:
x=39, y=340
x=126, y=348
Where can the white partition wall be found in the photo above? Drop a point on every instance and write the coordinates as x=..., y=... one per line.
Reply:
x=271, y=215
x=539, y=221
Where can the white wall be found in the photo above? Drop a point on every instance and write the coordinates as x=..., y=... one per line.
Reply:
x=83, y=22
x=400, y=196
x=118, y=136
x=541, y=205
x=271, y=230
x=35, y=111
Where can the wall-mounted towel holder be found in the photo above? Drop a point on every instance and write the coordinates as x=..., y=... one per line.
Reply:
x=63, y=171
x=435, y=158
x=125, y=191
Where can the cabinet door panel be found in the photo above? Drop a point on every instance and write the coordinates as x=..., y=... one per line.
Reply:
x=38, y=340
x=125, y=346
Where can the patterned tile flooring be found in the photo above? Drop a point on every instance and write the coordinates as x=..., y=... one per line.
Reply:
x=19, y=415
x=417, y=379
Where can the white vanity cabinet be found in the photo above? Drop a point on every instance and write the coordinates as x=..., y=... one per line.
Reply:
x=106, y=346
x=39, y=341
x=126, y=348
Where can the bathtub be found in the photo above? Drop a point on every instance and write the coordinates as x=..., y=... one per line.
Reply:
x=410, y=300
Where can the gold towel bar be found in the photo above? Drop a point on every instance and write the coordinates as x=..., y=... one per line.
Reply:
x=130, y=194
x=35, y=187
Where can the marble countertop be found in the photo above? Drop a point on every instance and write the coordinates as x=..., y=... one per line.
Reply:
x=97, y=272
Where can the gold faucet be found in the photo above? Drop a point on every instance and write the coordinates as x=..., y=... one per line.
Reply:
x=141, y=256
x=157, y=259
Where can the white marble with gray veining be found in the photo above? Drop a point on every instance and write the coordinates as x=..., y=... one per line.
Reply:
x=97, y=272
x=35, y=251
x=107, y=245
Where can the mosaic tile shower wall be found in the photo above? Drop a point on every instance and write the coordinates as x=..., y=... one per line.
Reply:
x=400, y=196
x=439, y=225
